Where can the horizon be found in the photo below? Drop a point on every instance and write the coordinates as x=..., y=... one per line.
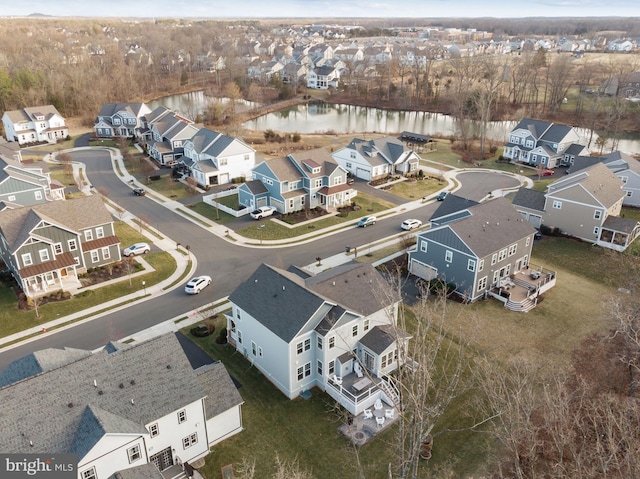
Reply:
x=323, y=9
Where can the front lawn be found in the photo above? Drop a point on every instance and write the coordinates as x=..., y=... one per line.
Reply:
x=416, y=189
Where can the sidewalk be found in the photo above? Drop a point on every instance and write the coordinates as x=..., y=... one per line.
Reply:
x=222, y=232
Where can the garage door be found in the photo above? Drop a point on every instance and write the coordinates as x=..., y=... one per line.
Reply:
x=422, y=270
x=261, y=201
x=364, y=174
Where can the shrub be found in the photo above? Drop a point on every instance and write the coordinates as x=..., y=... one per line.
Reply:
x=154, y=177
x=222, y=336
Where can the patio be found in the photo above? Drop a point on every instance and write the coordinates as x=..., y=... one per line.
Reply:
x=521, y=291
x=361, y=429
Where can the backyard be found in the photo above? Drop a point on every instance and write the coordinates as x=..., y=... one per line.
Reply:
x=546, y=336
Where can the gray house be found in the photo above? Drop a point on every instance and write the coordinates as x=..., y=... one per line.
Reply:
x=138, y=408
x=476, y=249
x=585, y=204
x=164, y=134
x=25, y=185
x=305, y=331
x=538, y=142
x=120, y=120
x=46, y=246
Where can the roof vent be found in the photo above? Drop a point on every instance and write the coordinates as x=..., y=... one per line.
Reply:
x=168, y=366
x=283, y=287
x=132, y=402
x=132, y=382
x=95, y=383
x=31, y=443
x=100, y=393
x=121, y=386
x=334, y=283
x=70, y=405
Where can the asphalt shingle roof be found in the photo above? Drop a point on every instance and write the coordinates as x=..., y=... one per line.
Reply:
x=528, y=198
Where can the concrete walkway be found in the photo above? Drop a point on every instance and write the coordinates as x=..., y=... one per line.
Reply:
x=182, y=260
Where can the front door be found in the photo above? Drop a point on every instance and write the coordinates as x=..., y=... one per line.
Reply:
x=163, y=460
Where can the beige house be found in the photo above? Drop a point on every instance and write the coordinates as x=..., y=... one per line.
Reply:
x=585, y=205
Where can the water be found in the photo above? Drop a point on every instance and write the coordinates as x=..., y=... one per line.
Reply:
x=345, y=119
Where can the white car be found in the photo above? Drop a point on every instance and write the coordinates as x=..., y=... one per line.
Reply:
x=410, y=224
x=136, y=248
x=262, y=212
x=197, y=284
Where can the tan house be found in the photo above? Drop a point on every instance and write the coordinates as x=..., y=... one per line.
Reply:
x=585, y=205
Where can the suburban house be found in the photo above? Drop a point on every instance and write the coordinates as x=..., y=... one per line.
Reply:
x=538, y=142
x=24, y=185
x=585, y=204
x=480, y=249
x=216, y=159
x=45, y=246
x=164, y=134
x=625, y=86
x=374, y=159
x=303, y=180
x=125, y=406
x=120, y=120
x=40, y=124
x=325, y=331
x=10, y=150
x=323, y=77
x=624, y=166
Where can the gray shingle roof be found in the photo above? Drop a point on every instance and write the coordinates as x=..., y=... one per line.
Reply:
x=284, y=169
x=40, y=362
x=51, y=408
x=222, y=393
x=451, y=208
x=623, y=225
x=528, y=198
x=536, y=127
x=381, y=337
x=145, y=471
x=598, y=180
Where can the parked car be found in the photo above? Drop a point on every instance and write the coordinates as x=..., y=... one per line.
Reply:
x=410, y=224
x=366, y=221
x=197, y=284
x=136, y=248
x=537, y=235
x=262, y=212
x=442, y=195
x=547, y=172
x=139, y=191
x=350, y=181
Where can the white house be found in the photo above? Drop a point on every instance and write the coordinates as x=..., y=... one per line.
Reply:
x=372, y=159
x=217, y=159
x=40, y=124
x=122, y=407
x=323, y=331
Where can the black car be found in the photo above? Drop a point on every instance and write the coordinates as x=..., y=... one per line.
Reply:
x=442, y=196
x=139, y=191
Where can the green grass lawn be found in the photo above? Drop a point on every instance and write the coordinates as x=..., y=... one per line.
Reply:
x=413, y=190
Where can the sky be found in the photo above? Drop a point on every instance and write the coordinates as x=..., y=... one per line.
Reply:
x=322, y=8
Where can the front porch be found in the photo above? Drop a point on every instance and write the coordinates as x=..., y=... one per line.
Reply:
x=521, y=291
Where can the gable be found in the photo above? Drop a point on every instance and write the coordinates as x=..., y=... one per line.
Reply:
x=575, y=193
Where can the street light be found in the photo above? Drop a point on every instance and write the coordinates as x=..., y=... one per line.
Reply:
x=260, y=228
x=144, y=285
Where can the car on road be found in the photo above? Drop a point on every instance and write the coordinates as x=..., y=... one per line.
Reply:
x=442, y=196
x=547, y=172
x=366, y=221
x=136, y=248
x=262, y=212
x=410, y=224
x=139, y=191
x=197, y=284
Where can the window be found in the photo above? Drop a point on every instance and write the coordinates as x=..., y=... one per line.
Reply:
x=471, y=265
x=596, y=231
x=387, y=359
x=494, y=258
x=134, y=453
x=57, y=248
x=100, y=232
x=299, y=348
x=302, y=200
x=253, y=348
x=154, y=430
x=12, y=198
x=44, y=254
x=332, y=342
x=629, y=194
x=26, y=259
x=223, y=161
x=318, y=182
x=38, y=195
x=95, y=257
x=624, y=179
x=89, y=474
x=423, y=246
x=239, y=336
x=482, y=284
x=496, y=276
x=88, y=235
x=480, y=265
x=512, y=249
x=528, y=241
x=307, y=370
x=597, y=214
x=337, y=180
x=332, y=367
x=502, y=255
x=182, y=416
x=349, y=165
x=189, y=440
x=269, y=181
x=529, y=143
x=73, y=245
x=291, y=203
x=300, y=373
x=557, y=204
x=320, y=368
x=352, y=154
x=354, y=331
x=366, y=325
x=319, y=343
x=259, y=351
x=106, y=254
x=448, y=256
x=307, y=344
x=247, y=157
